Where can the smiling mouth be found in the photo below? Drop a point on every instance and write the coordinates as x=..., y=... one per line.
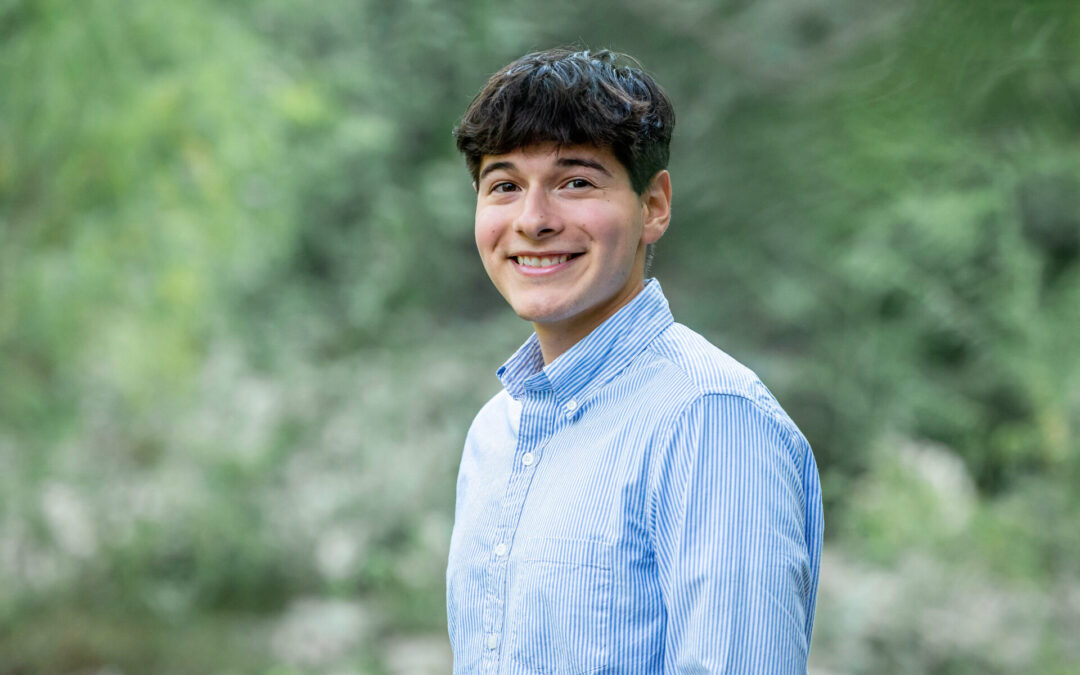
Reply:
x=543, y=261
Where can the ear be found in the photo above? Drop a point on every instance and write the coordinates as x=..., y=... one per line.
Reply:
x=475, y=187
x=656, y=201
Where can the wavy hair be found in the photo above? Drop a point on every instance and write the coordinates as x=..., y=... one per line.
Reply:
x=567, y=97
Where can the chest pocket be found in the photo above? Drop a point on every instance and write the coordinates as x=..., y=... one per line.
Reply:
x=561, y=605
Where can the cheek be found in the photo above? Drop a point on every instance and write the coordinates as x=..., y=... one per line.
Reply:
x=617, y=230
x=486, y=231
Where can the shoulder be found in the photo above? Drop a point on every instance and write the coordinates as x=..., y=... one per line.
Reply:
x=732, y=419
x=706, y=369
x=709, y=374
x=498, y=411
x=493, y=430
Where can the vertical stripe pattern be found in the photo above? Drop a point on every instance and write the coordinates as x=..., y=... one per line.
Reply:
x=640, y=505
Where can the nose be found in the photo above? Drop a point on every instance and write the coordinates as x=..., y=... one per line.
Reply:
x=537, y=218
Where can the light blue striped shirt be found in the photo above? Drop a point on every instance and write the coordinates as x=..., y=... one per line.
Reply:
x=640, y=505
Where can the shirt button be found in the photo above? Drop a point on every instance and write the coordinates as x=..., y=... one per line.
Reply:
x=492, y=641
x=571, y=405
x=500, y=550
x=527, y=459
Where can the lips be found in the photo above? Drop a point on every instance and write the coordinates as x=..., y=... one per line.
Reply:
x=541, y=261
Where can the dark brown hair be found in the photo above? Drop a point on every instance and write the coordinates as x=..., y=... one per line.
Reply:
x=571, y=98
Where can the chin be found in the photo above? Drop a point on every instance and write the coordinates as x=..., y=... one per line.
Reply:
x=539, y=314
x=534, y=316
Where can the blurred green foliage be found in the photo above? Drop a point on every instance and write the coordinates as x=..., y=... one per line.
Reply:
x=243, y=327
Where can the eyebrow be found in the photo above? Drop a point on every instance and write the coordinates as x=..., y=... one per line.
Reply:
x=495, y=166
x=562, y=162
x=587, y=163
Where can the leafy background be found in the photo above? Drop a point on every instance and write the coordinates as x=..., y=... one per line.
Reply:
x=243, y=327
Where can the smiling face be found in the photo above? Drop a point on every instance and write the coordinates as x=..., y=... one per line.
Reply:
x=562, y=235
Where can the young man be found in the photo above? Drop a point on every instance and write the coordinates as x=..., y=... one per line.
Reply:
x=634, y=500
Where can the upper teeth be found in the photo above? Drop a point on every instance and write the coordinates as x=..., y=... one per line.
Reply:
x=532, y=261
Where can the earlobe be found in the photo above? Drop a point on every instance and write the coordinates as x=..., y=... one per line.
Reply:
x=657, y=204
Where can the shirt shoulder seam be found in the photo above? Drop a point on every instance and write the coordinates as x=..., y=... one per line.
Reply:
x=783, y=424
x=698, y=390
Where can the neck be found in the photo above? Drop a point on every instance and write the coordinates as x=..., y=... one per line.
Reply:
x=556, y=338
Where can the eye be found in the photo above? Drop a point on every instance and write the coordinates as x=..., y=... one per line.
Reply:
x=578, y=183
x=503, y=186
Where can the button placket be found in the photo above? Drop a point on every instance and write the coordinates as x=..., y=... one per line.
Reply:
x=535, y=418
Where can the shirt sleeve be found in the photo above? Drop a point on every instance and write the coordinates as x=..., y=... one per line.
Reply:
x=735, y=513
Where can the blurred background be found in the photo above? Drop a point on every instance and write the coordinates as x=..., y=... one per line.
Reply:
x=243, y=325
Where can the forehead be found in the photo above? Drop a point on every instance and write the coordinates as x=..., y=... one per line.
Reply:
x=545, y=155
